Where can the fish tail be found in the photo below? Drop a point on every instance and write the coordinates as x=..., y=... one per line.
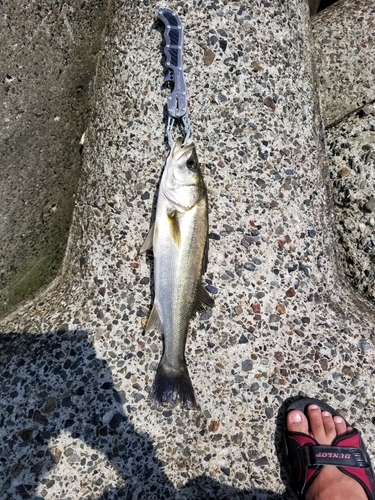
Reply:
x=171, y=384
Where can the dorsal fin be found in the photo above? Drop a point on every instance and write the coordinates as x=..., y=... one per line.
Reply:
x=148, y=243
x=203, y=298
x=205, y=257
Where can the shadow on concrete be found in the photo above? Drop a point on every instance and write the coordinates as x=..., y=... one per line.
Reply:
x=55, y=382
x=325, y=3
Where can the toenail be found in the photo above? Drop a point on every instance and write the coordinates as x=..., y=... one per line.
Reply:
x=296, y=417
x=313, y=407
x=338, y=420
x=326, y=414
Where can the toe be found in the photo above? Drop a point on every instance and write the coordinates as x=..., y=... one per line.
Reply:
x=297, y=422
x=329, y=425
x=317, y=426
x=340, y=426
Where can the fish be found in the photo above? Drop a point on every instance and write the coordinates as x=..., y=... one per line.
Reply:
x=179, y=240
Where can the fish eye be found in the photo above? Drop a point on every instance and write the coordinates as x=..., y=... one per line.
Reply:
x=191, y=165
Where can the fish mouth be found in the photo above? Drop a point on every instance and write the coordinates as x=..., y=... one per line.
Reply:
x=179, y=150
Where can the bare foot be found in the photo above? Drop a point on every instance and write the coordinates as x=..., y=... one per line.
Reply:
x=331, y=483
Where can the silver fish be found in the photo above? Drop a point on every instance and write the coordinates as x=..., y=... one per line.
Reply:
x=179, y=241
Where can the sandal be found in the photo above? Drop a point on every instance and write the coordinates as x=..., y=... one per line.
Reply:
x=306, y=457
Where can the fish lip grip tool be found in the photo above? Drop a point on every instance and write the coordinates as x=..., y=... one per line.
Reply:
x=174, y=75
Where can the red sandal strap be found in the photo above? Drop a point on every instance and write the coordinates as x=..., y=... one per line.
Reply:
x=363, y=475
x=303, y=475
x=347, y=453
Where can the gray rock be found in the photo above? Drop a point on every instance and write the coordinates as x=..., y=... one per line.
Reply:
x=247, y=365
x=369, y=206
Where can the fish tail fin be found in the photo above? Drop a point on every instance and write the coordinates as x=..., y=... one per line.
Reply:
x=171, y=384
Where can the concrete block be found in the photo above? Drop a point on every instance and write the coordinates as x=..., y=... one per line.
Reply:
x=48, y=58
x=77, y=365
x=344, y=42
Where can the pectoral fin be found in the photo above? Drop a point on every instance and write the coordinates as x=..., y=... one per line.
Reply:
x=154, y=321
x=203, y=298
x=148, y=243
x=174, y=226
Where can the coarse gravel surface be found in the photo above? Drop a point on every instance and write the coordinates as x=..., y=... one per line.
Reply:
x=76, y=366
x=352, y=167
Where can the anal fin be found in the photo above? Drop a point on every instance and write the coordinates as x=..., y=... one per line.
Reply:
x=154, y=322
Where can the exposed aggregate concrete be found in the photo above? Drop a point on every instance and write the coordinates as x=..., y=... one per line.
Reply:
x=344, y=36
x=77, y=421
x=344, y=42
x=49, y=53
x=352, y=165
